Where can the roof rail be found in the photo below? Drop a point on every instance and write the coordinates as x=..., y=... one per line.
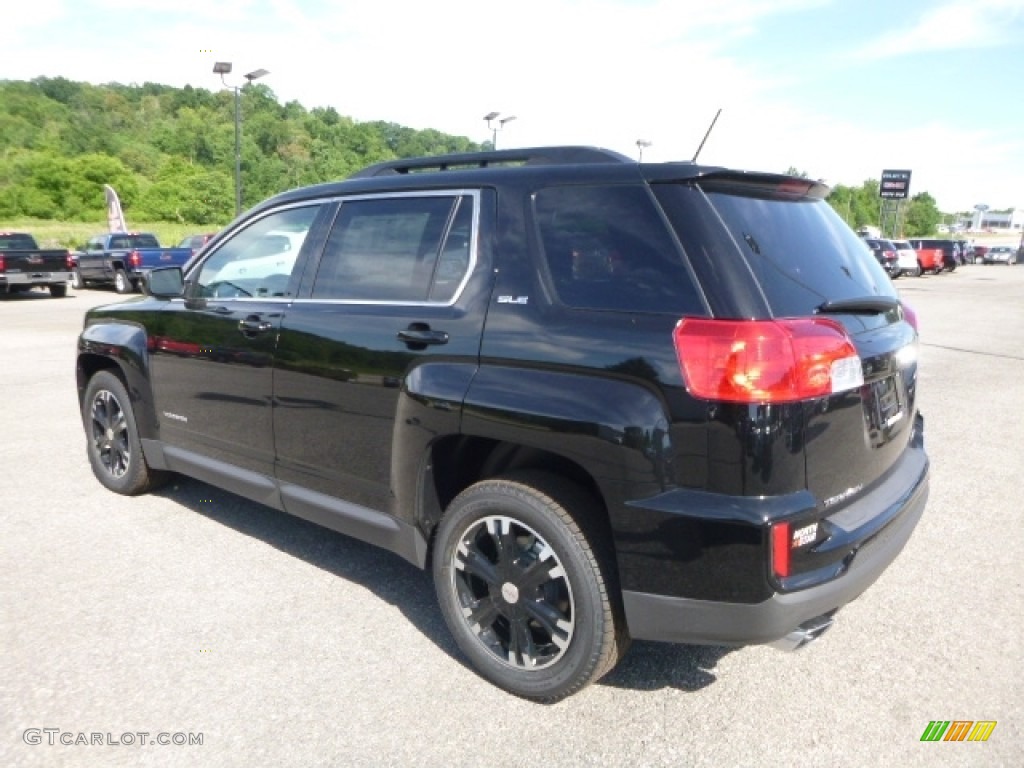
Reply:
x=510, y=157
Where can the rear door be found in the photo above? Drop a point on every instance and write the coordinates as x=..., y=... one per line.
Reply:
x=400, y=286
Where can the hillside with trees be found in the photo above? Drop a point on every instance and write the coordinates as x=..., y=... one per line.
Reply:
x=169, y=153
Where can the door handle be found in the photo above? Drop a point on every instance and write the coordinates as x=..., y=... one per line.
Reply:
x=419, y=335
x=253, y=324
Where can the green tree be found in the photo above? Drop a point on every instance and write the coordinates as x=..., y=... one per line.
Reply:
x=923, y=216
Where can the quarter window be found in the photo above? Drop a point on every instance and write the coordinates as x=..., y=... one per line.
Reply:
x=608, y=248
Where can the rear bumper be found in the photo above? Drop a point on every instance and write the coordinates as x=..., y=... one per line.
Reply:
x=670, y=618
x=34, y=278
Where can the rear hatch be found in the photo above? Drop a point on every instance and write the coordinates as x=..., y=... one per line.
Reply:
x=807, y=263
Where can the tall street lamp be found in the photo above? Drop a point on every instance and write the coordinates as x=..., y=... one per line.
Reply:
x=494, y=129
x=224, y=68
x=641, y=144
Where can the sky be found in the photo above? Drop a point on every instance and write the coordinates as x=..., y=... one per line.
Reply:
x=837, y=89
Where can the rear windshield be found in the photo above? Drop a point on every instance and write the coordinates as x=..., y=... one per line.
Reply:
x=801, y=252
x=17, y=242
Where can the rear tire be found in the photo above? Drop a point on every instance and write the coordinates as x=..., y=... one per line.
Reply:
x=58, y=290
x=113, y=445
x=121, y=282
x=531, y=600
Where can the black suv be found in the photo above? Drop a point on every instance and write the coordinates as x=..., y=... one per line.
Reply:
x=601, y=400
x=886, y=254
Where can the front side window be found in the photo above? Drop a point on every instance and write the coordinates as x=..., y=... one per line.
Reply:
x=258, y=260
x=608, y=248
x=414, y=248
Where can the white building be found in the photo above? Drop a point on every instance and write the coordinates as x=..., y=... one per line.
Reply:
x=1013, y=220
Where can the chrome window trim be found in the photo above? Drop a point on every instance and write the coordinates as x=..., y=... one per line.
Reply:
x=197, y=266
x=474, y=194
x=474, y=237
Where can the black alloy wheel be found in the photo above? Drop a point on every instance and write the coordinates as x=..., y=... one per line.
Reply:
x=530, y=599
x=514, y=592
x=114, y=448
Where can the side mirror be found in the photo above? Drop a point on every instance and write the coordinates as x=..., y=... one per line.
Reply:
x=164, y=282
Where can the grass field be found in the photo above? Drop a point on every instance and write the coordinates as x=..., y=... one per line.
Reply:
x=73, y=235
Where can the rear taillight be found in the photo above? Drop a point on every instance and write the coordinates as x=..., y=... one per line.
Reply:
x=766, y=361
x=69, y=260
x=780, y=550
x=1, y=263
x=135, y=259
x=910, y=316
x=890, y=255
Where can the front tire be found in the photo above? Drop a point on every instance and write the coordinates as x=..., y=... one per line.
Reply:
x=531, y=599
x=113, y=445
x=76, y=279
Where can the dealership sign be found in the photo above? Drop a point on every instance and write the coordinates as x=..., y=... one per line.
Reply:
x=895, y=185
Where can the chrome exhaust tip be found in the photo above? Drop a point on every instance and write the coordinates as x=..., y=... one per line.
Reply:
x=805, y=633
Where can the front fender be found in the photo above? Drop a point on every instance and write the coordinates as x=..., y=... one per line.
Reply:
x=121, y=345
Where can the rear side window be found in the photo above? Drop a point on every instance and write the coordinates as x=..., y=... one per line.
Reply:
x=608, y=248
x=133, y=241
x=412, y=248
x=800, y=250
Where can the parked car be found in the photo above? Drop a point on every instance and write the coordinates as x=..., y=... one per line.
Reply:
x=936, y=255
x=885, y=254
x=978, y=253
x=600, y=400
x=906, y=259
x=1000, y=254
x=195, y=242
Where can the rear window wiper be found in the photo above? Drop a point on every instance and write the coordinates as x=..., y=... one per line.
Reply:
x=864, y=305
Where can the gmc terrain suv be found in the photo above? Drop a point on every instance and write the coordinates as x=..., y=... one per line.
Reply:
x=601, y=400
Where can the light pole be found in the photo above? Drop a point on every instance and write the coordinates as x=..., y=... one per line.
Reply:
x=641, y=144
x=224, y=68
x=494, y=129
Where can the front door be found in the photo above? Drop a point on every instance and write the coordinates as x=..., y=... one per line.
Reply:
x=212, y=354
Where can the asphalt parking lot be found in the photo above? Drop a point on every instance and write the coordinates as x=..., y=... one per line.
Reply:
x=193, y=612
